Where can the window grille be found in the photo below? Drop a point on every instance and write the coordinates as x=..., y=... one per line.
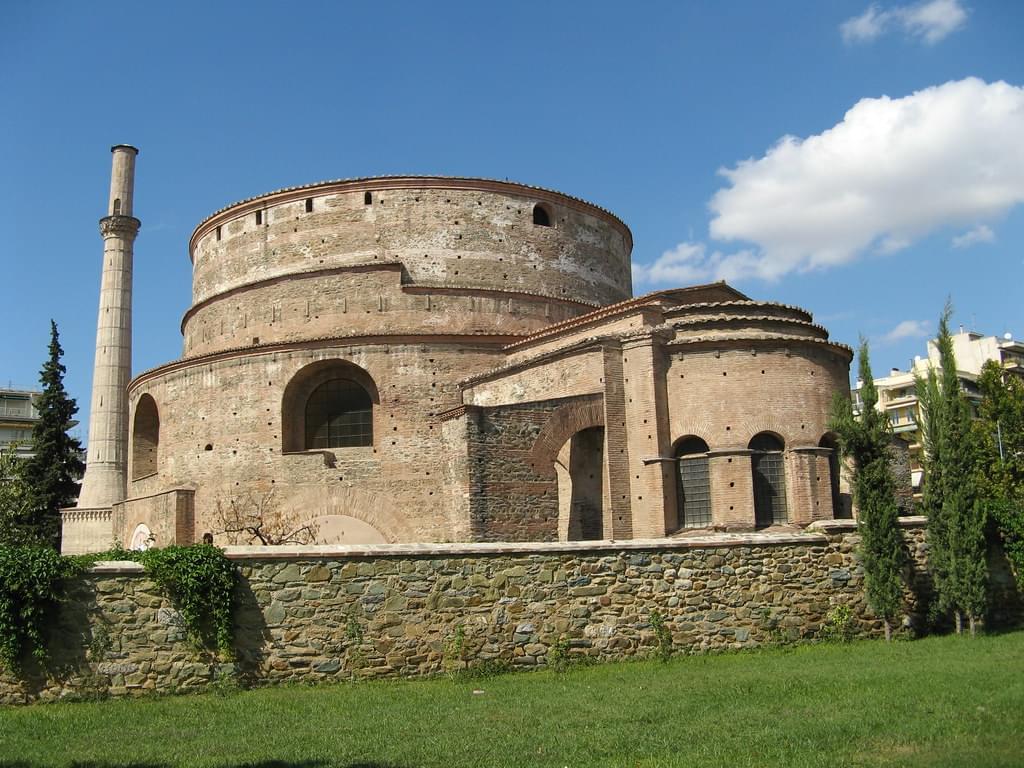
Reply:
x=694, y=486
x=339, y=414
x=769, y=475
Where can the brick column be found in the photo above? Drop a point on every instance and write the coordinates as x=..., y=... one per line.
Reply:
x=618, y=523
x=732, y=489
x=647, y=435
x=808, y=488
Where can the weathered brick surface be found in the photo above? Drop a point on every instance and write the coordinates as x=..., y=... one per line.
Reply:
x=368, y=613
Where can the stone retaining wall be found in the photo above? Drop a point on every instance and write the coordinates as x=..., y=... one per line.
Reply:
x=329, y=613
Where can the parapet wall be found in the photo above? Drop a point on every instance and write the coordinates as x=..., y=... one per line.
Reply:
x=329, y=613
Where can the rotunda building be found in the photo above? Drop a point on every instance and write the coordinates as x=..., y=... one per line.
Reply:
x=421, y=359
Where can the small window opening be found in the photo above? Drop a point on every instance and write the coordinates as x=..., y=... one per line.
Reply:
x=259, y=217
x=309, y=205
x=541, y=217
x=117, y=206
x=218, y=234
x=368, y=199
x=209, y=447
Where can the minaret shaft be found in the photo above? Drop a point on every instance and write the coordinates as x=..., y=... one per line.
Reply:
x=105, y=481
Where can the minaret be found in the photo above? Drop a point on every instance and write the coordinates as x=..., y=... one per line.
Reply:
x=106, y=469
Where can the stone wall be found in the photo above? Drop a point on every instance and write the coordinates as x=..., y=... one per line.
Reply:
x=331, y=613
x=510, y=500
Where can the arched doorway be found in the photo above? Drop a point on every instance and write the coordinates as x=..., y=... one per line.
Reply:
x=580, y=470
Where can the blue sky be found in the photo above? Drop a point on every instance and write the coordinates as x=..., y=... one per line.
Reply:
x=672, y=115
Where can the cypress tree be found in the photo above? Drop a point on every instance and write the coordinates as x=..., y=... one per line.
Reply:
x=952, y=499
x=865, y=439
x=54, y=469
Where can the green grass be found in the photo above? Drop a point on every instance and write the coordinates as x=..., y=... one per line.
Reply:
x=935, y=702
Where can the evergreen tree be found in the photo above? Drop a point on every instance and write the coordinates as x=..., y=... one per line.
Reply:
x=865, y=440
x=52, y=473
x=999, y=434
x=952, y=499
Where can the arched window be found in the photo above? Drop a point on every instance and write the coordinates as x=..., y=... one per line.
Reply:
x=541, y=217
x=145, y=438
x=328, y=404
x=339, y=414
x=693, y=490
x=367, y=198
x=769, y=475
x=117, y=206
x=838, y=507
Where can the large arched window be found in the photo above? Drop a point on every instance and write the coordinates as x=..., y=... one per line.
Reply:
x=145, y=438
x=339, y=414
x=769, y=475
x=693, y=489
x=328, y=404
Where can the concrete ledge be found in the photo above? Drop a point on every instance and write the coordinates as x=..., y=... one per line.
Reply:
x=844, y=526
x=117, y=566
x=710, y=541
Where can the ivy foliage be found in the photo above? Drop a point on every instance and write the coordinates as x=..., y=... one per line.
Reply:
x=31, y=585
x=199, y=580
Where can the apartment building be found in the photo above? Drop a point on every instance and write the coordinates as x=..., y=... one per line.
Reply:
x=897, y=394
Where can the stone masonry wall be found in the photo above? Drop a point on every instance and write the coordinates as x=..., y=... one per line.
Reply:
x=509, y=499
x=326, y=614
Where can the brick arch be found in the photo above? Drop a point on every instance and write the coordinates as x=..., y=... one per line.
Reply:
x=564, y=422
x=744, y=432
x=695, y=428
x=374, y=509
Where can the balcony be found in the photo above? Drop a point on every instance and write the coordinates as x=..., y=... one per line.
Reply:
x=18, y=411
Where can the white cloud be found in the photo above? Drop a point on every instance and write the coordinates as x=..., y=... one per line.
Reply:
x=893, y=171
x=866, y=27
x=930, y=21
x=933, y=21
x=979, y=234
x=908, y=329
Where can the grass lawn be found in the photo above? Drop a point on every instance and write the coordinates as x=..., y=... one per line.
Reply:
x=936, y=702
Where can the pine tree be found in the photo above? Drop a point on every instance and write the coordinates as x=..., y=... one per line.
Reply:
x=865, y=440
x=54, y=469
x=952, y=500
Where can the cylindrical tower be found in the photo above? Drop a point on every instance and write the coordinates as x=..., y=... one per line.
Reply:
x=104, y=483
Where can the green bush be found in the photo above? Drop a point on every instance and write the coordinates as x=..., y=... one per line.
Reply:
x=31, y=584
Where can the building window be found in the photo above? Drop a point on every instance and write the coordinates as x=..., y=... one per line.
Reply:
x=367, y=198
x=541, y=217
x=309, y=205
x=839, y=508
x=339, y=414
x=259, y=218
x=693, y=489
x=768, y=472
x=145, y=438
